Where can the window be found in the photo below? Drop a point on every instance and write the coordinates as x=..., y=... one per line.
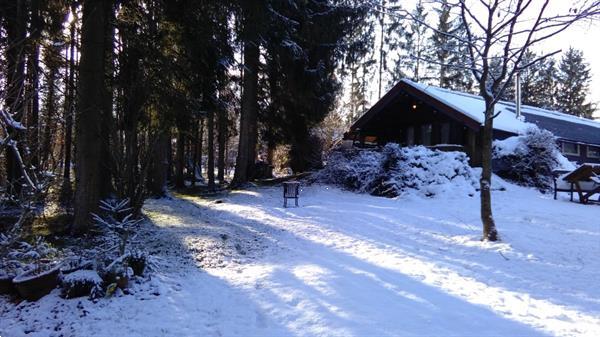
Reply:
x=410, y=136
x=593, y=151
x=445, y=133
x=426, y=134
x=570, y=148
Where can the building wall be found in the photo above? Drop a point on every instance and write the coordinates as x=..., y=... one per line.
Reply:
x=585, y=152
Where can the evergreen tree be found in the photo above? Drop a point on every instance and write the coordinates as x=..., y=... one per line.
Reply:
x=301, y=65
x=448, y=53
x=394, y=41
x=544, y=92
x=573, y=79
x=92, y=94
x=358, y=66
x=538, y=83
x=252, y=28
x=417, y=50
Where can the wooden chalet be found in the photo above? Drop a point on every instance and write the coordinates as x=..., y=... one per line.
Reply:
x=417, y=114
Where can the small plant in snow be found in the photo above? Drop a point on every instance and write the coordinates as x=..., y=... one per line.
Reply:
x=117, y=218
x=23, y=256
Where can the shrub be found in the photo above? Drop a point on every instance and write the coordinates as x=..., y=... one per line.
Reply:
x=395, y=170
x=529, y=159
x=354, y=169
x=81, y=283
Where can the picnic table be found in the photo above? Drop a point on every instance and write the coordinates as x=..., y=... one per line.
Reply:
x=585, y=180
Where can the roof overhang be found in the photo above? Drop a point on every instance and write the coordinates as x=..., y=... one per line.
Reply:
x=418, y=94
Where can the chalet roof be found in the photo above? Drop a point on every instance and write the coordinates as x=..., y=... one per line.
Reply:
x=472, y=107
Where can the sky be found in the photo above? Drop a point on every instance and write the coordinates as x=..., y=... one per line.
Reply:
x=583, y=36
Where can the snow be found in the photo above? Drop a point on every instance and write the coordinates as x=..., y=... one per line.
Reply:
x=31, y=274
x=83, y=276
x=394, y=170
x=559, y=115
x=517, y=145
x=346, y=264
x=508, y=146
x=473, y=106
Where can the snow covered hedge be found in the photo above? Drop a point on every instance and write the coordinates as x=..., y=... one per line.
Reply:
x=529, y=159
x=395, y=171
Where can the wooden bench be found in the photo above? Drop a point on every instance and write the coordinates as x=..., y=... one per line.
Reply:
x=560, y=185
x=291, y=190
x=585, y=180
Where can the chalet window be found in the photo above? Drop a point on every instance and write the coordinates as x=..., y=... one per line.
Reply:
x=445, y=133
x=426, y=134
x=410, y=136
x=593, y=151
x=570, y=148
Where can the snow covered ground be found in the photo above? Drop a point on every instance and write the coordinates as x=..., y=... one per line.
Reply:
x=346, y=264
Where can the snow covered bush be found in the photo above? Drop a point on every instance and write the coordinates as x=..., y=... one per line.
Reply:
x=529, y=159
x=354, y=169
x=428, y=171
x=395, y=170
x=82, y=283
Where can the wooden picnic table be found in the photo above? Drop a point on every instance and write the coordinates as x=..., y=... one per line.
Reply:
x=585, y=172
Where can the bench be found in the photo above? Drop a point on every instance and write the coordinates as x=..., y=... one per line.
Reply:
x=291, y=190
x=585, y=180
x=561, y=185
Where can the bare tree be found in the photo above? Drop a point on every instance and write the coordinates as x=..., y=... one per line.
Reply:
x=498, y=34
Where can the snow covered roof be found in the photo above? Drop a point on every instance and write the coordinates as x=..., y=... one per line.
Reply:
x=472, y=106
x=562, y=125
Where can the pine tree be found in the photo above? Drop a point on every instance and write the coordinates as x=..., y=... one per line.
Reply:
x=574, y=78
x=417, y=48
x=538, y=83
x=389, y=28
x=92, y=93
x=358, y=66
x=448, y=53
x=300, y=69
x=394, y=40
x=543, y=93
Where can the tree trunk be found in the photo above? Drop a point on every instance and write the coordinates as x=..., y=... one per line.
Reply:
x=211, y=148
x=106, y=114
x=34, y=83
x=66, y=192
x=248, y=119
x=222, y=139
x=157, y=182
x=487, y=219
x=16, y=21
x=200, y=145
x=50, y=109
x=193, y=149
x=381, y=51
x=89, y=122
x=180, y=159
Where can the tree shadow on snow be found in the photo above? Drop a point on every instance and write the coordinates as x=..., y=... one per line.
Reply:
x=318, y=289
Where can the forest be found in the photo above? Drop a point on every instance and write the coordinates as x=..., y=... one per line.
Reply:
x=121, y=99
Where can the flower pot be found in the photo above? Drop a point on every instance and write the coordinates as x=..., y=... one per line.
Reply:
x=6, y=285
x=123, y=282
x=32, y=285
